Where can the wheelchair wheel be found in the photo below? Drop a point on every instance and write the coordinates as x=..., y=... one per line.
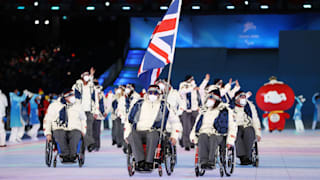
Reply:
x=255, y=155
x=220, y=159
x=81, y=158
x=229, y=161
x=174, y=158
x=49, y=152
x=198, y=171
x=221, y=172
x=54, y=163
x=168, y=158
x=160, y=170
x=202, y=171
x=130, y=161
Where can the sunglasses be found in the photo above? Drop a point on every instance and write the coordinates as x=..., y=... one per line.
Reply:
x=153, y=93
x=215, y=97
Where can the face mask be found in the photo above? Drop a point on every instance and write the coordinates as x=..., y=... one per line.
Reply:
x=243, y=102
x=161, y=86
x=118, y=91
x=192, y=84
x=127, y=90
x=210, y=103
x=153, y=98
x=86, y=78
x=55, y=97
x=72, y=99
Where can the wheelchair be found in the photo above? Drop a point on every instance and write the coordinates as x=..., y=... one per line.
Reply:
x=53, y=150
x=166, y=153
x=255, y=154
x=224, y=158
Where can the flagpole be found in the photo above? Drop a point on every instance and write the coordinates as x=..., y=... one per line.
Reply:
x=157, y=155
x=165, y=101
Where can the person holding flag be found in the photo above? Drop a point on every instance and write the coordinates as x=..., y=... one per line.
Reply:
x=159, y=53
x=144, y=122
x=161, y=48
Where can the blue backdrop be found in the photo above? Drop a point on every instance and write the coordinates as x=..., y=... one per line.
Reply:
x=230, y=31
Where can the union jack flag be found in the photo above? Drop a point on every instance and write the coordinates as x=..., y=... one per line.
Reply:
x=160, y=51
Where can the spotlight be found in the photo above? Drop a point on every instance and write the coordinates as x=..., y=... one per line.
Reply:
x=37, y=21
x=21, y=7
x=307, y=6
x=107, y=3
x=64, y=17
x=163, y=7
x=264, y=7
x=90, y=8
x=46, y=22
x=230, y=7
x=246, y=3
x=55, y=8
x=195, y=7
x=36, y=3
x=126, y=8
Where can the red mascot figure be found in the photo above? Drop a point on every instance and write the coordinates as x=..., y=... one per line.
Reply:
x=275, y=97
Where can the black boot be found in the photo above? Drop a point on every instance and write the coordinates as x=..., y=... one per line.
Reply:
x=125, y=150
x=72, y=158
x=148, y=166
x=114, y=142
x=245, y=161
x=211, y=165
x=64, y=158
x=204, y=166
x=140, y=166
x=91, y=147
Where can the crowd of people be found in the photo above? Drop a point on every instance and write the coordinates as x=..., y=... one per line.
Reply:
x=33, y=67
x=206, y=116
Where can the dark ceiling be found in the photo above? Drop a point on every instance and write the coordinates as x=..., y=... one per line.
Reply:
x=153, y=7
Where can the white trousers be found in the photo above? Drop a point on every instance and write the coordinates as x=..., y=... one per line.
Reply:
x=16, y=133
x=102, y=125
x=299, y=125
x=2, y=133
x=33, y=132
x=265, y=124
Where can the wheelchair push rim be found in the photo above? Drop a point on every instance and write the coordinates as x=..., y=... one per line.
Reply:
x=169, y=158
x=255, y=155
x=130, y=161
x=197, y=169
x=49, y=152
x=229, y=161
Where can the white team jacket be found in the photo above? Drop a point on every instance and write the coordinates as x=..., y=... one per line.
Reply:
x=207, y=124
x=76, y=118
x=173, y=126
x=243, y=120
x=183, y=90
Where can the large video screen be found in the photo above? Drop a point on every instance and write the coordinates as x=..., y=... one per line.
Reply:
x=229, y=31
